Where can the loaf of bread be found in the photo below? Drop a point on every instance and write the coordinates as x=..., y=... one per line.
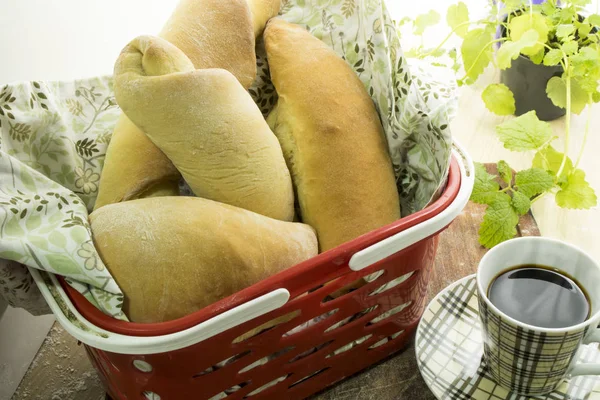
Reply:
x=207, y=125
x=262, y=11
x=214, y=34
x=331, y=136
x=172, y=256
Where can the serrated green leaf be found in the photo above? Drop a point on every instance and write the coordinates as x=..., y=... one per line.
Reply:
x=510, y=50
x=533, y=181
x=486, y=189
x=594, y=19
x=538, y=57
x=584, y=30
x=553, y=57
x=525, y=132
x=476, y=52
x=549, y=160
x=499, y=99
x=499, y=222
x=424, y=21
x=505, y=171
x=570, y=47
x=458, y=14
x=556, y=89
x=576, y=192
x=564, y=30
x=525, y=22
x=520, y=203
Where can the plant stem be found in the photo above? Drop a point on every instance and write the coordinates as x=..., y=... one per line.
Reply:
x=567, y=120
x=587, y=130
x=539, y=196
x=447, y=38
x=491, y=42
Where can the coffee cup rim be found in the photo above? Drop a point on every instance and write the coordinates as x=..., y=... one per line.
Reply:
x=481, y=292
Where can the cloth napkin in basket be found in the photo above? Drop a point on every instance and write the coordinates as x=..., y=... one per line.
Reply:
x=53, y=138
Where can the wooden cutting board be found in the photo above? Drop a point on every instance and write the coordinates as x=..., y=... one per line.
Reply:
x=398, y=377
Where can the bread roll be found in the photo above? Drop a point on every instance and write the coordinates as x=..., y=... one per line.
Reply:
x=172, y=256
x=262, y=11
x=214, y=34
x=208, y=126
x=331, y=136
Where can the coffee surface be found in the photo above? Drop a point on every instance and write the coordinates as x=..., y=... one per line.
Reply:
x=539, y=296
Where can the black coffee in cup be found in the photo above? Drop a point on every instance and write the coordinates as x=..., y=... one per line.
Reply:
x=539, y=296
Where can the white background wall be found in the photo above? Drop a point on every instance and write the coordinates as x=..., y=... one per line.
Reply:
x=67, y=39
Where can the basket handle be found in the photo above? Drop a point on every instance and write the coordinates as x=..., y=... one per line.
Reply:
x=83, y=330
x=385, y=248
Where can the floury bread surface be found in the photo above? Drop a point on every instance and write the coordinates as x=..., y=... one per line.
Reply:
x=172, y=256
x=214, y=34
x=331, y=136
x=207, y=125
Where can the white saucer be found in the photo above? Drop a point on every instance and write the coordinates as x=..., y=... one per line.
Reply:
x=449, y=353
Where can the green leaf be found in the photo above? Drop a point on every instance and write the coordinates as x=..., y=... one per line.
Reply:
x=79, y=234
x=62, y=264
x=570, y=47
x=594, y=19
x=458, y=14
x=584, y=30
x=33, y=222
x=499, y=222
x=38, y=241
x=499, y=99
x=520, y=203
x=525, y=132
x=58, y=239
x=525, y=22
x=564, y=30
x=13, y=228
x=486, y=188
x=11, y=255
x=424, y=21
x=538, y=57
x=553, y=57
x=556, y=89
x=576, y=193
x=505, y=171
x=533, y=181
x=510, y=50
x=549, y=160
x=476, y=52
x=27, y=180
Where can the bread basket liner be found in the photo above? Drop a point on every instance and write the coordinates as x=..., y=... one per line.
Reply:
x=54, y=135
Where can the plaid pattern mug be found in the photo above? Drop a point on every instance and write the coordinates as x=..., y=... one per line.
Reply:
x=527, y=359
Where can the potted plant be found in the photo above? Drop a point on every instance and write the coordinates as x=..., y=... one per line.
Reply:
x=552, y=52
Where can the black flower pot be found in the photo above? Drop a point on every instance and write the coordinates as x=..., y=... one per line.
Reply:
x=528, y=83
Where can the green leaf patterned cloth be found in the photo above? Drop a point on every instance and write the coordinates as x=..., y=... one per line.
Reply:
x=54, y=135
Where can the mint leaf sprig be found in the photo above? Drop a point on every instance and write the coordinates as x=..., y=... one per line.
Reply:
x=552, y=34
x=506, y=202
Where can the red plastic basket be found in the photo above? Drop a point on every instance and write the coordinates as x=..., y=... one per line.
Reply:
x=326, y=340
